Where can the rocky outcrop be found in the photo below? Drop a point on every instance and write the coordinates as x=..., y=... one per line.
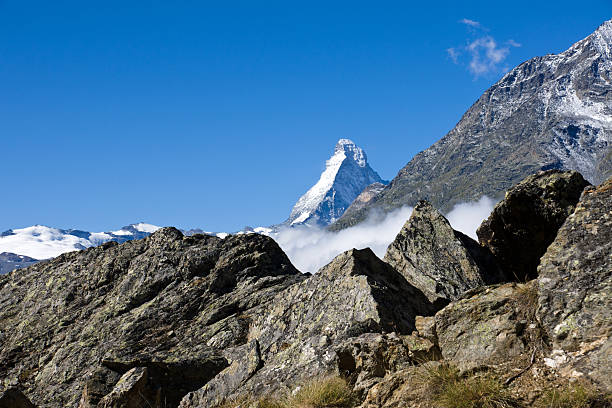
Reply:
x=72, y=327
x=575, y=287
x=438, y=260
x=356, y=293
x=367, y=359
x=526, y=221
x=489, y=326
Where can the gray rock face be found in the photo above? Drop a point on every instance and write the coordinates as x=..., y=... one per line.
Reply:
x=356, y=293
x=575, y=286
x=438, y=260
x=489, y=326
x=366, y=196
x=367, y=359
x=551, y=112
x=526, y=221
x=70, y=327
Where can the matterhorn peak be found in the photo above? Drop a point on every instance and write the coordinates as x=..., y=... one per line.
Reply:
x=346, y=174
x=351, y=150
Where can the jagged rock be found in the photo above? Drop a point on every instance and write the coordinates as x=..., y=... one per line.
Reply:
x=426, y=327
x=244, y=361
x=526, y=221
x=575, y=287
x=438, y=260
x=131, y=391
x=98, y=384
x=13, y=398
x=365, y=360
x=356, y=293
x=166, y=302
x=491, y=325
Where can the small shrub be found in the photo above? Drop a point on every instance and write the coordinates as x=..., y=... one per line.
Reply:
x=328, y=392
x=574, y=395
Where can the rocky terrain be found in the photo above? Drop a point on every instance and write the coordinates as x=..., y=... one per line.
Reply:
x=551, y=112
x=198, y=321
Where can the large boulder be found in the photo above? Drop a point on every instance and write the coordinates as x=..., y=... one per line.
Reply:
x=575, y=290
x=70, y=328
x=526, y=221
x=298, y=333
x=489, y=326
x=440, y=261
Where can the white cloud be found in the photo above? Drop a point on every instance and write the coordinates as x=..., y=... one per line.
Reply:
x=486, y=55
x=310, y=248
x=483, y=54
x=470, y=23
x=453, y=54
x=467, y=217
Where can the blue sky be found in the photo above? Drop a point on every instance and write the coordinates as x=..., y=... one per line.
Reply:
x=221, y=114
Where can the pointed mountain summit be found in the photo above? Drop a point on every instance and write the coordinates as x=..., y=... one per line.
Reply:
x=347, y=173
x=550, y=112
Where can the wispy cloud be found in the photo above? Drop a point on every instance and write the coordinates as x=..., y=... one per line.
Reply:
x=470, y=23
x=482, y=54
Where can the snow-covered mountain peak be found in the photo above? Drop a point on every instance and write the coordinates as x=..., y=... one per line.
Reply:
x=351, y=150
x=346, y=174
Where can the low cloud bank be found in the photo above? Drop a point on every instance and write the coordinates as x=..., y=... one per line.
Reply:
x=310, y=248
x=467, y=217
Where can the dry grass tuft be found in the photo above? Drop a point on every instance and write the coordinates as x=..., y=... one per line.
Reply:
x=574, y=395
x=326, y=392
x=445, y=387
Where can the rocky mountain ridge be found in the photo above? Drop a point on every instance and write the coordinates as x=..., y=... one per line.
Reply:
x=551, y=112
x=198, y=321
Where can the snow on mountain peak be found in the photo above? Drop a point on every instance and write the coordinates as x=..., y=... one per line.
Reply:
x=346, y=174
x=350, y=149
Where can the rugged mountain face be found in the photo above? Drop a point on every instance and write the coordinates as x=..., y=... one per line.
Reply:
x=551, y=112
x=10, y=261
x=347, y=174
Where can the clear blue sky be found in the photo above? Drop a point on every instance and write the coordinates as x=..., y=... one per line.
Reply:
x=221, y=114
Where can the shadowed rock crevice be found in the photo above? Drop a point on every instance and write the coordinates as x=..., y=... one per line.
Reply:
x=526, y=221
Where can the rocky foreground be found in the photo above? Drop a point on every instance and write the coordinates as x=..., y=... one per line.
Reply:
x=176, y=321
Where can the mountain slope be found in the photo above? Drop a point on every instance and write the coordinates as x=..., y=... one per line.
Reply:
x=549, y=112
x=347, y=174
